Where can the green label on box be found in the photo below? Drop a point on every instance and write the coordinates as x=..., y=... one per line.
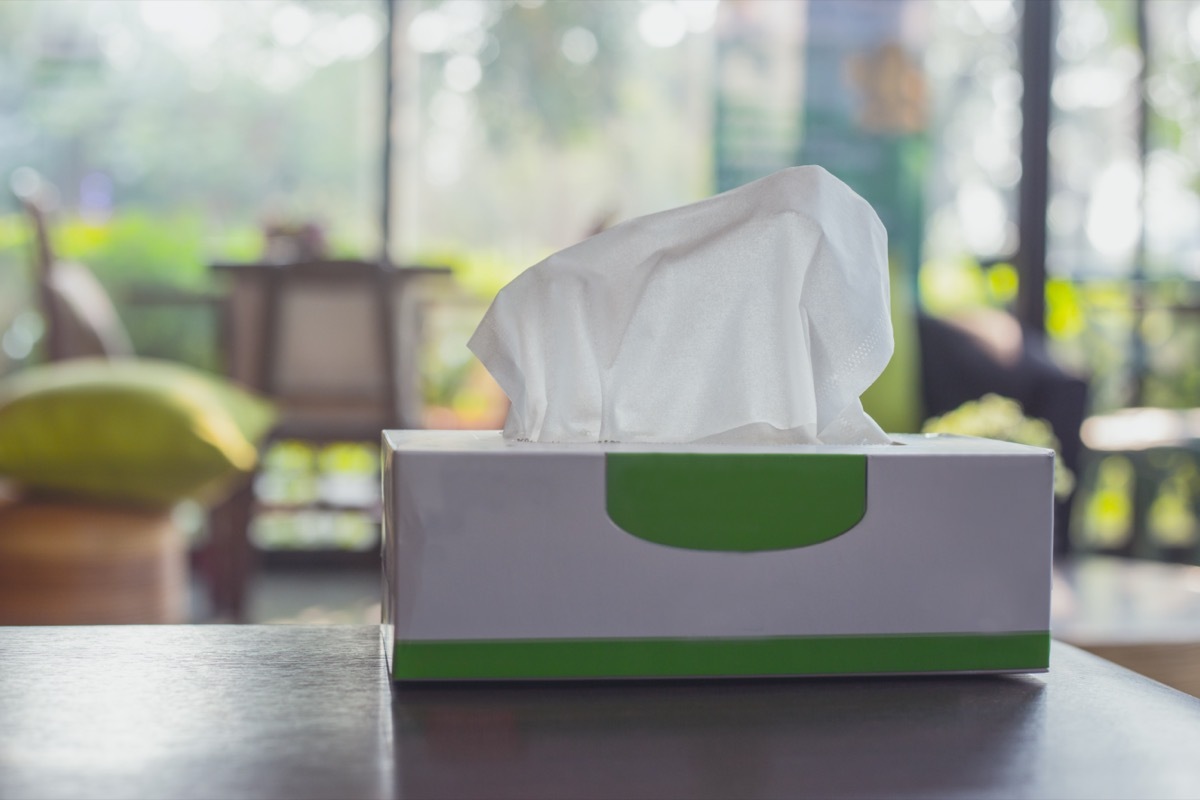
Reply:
x=739, y=502
x=712, y=658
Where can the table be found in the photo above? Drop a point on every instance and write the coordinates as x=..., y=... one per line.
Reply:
x=280, y=711
x=1142, y=615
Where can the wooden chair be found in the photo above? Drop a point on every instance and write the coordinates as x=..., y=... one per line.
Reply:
x=328, y=355
x=333, y=344
x=78, y=313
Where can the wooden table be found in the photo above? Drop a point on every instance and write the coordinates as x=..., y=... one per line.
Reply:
x=288, y=712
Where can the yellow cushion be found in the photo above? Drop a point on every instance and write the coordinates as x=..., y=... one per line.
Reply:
x=137, y=430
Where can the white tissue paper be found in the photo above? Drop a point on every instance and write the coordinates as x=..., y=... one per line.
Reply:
x=757, y=316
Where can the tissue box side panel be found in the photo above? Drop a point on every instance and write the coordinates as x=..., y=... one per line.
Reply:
x=404, y=539
x=514, y=545
x=948, y=570
x=387, y=628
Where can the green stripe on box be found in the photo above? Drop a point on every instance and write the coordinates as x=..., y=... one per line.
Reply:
x=536, y=659
x=736, y=502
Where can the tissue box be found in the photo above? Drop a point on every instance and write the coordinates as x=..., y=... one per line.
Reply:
x=531, y=561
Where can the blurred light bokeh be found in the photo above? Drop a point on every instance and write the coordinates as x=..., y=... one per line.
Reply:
x=179, y=131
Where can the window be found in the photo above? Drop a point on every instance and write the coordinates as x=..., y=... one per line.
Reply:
x=174, y=130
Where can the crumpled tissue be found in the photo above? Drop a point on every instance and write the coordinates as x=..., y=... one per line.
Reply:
x=757, y=316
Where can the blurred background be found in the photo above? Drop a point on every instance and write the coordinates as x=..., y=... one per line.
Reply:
x=1036, y=162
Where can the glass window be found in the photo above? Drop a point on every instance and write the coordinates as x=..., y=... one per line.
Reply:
x=525, y=126
x=175, y=130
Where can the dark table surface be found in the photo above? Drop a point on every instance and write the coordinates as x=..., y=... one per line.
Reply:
x=291, y=712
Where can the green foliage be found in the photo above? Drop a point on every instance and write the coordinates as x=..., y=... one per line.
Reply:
x=1171, y=517
x=570, y=101
x=996, y=417
x=480, y=272
x=14, y=232
x=298, y=474
x=1107, y=518
x=1143, y=502
x=16, y=271
x=1064, y=309
x=136, y=251
x=16, y=294
x=134, y=248
x=348, y=457
x=449, y=372
x=1093, y=327
x=443, y=383
x=949, y=286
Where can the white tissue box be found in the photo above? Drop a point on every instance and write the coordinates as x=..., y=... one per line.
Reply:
x=534, y=561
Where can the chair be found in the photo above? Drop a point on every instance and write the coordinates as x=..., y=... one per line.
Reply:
x=333, y=344
x=328, y=354
x=79, y=315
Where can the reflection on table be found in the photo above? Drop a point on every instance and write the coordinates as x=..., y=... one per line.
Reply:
x=282, y=711
x=1141, y=614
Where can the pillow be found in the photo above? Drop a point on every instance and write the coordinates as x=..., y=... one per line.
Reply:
x=136, y=431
